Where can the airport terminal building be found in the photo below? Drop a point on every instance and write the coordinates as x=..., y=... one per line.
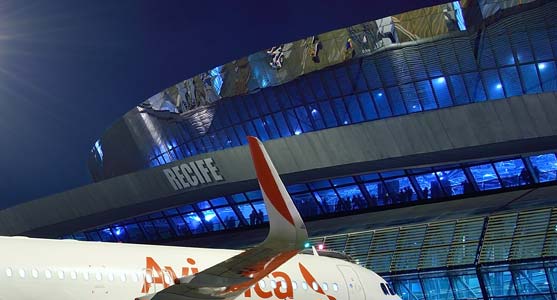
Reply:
x=423, y=145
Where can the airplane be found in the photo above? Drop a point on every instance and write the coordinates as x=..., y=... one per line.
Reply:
x=32, y=269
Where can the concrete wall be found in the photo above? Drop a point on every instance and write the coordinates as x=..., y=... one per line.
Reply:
x=503, y=127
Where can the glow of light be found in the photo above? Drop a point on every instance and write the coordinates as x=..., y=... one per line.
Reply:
x=541, y=66
x=440, y=80
x=380, y=94
x=314, y=111
x=118, y=231
x=320, y=246
x=297, y=132
x=209, y=216
x=307, y=245
x=499, y=86
x=345, y=122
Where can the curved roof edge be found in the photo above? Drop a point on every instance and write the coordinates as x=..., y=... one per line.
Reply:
x=285, y=62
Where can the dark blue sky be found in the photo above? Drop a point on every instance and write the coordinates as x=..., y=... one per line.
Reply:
x=69, y=68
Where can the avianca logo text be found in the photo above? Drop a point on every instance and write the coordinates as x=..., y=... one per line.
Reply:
x=164, y=276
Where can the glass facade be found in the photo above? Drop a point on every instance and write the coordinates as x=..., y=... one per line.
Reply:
x=336, y=196
x=506, y=256
x=514, y=56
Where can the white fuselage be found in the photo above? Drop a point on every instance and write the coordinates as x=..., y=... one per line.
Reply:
x=32, y=269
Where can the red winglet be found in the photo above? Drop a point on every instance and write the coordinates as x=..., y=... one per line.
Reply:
x=267, y=180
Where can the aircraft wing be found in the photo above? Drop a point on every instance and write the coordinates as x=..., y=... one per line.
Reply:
x=287, y=235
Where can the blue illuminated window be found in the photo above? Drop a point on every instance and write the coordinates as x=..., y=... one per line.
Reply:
x=340, y=109
x=499, y=284
x=329, y=201
x=382, y=104
x=211, y=220
x=367, y=106
x=427, y=182
x=453, y=182
x=520, y=43
x=228, y=217
x=425, y=94
x=493, y=84
x=395, y=101
x=548, y=76
x=135, y=234
x=306, y=204
x=529, y=282
x=179, y=225
x=352, y=197
x=512, y=172
x=261, y=210
x=459, y=90
x=304, y=119
x=441, y=287
x=544, y=167
x=354, y=109
x=474, y=86
x=485, y=177
x=194, y=222
x=511, y=82
x=294, y=124
x=441, y=91
x=328, y=114
x=281, y=124
x=466, y=286
x=410, y=98
x=530, y=80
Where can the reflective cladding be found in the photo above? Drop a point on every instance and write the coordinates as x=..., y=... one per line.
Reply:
x=510, y=57
x=343, y=195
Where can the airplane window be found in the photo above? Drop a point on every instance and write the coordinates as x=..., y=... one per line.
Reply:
x=384, y=288
x=110, y=276
x=273, y=284
x=99, y=276
x=135, y=277
x=149, y=278
x=61, y=274
x=73, y=275
x=9, y=272
x=283, y=285
x=86, y=275
x=47, y=274
x=335, y=287
x=123, y=277
x=390, y=288
x=304, y=285
x=315, y=286
x=325, y=286
x=35, y=273
x=262, y=283
x=294, y=284
x=21, y=273
x=167, y=278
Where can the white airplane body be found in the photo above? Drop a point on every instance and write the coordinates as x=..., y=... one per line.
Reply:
x=33, y=269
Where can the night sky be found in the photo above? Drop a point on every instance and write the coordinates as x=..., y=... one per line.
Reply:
x=69, y=68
